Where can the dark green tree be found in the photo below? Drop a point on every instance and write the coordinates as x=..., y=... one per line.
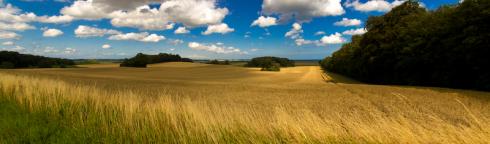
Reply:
x=410, y=45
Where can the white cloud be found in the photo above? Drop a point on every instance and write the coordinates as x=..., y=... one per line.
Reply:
x=86, y=10
x=52, y=33
x=348, y=22
x=218, y=28
x=320, y=33
x=295, y=32
x=15, y=48
x=374, y=5
x=137, y=13
x=9, y=35
x=70, y=51
x=358, y=31
x=300, y=42
x=176, y=42
x=302, y=10
x=181, y=30
x=143, y=37
x=97, y=9
x=143, y=17
x=15, y=26
x=18, y=49
x=265, y=21
x=215, y=48
x=106, y=46
x=87, y=31
x=194, y=12
x=8, y=43
x=55, y=19
x=332, y=39
x=254, y=49
x=196, y=56
x=12, y=14
x=50, y=50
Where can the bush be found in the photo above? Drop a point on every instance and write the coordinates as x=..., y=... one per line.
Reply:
x=268, y=60
x=141, y=60
x=409, y=45
x=271, y=67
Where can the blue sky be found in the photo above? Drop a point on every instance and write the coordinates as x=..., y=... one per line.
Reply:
x=297, y=29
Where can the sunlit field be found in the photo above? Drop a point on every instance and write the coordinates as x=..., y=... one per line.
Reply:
x=199, y=103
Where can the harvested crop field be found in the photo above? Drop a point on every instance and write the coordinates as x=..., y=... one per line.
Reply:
x=200, y=103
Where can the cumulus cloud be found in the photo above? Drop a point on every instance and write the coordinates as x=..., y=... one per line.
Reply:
x=264, y=21
x=348, y=22
x=9, y=35
x=143, y=17
x=181, y=30
x=374, y=5
x=194, y=12
x=97, y=9
x=138, y=14
x=52, y=33
x=87, y=10
x=302, y=10
x=12, y=14
x=106, y=46
x=215, y=48
x=15, y=26
x=295, y=31
x=55, y=19
x=332, y=39
x=335, y=38
x=358, y=31
x=87, y=31
x=8, y=43
x=218, y=28
x=142, y=37
x=300, y=42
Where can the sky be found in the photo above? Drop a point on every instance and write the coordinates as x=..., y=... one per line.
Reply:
x=198, y=29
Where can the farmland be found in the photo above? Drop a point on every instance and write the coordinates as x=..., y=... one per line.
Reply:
x=200, y=103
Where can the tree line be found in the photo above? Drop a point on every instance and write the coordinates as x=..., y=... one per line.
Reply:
x=142, y=60
x=446, y=47
x=218, y=62
x=269, y=63
x=10, y=59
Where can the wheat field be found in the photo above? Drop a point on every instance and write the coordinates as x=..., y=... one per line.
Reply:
x=199, y=103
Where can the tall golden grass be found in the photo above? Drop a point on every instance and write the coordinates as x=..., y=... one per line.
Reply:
x=125, y=116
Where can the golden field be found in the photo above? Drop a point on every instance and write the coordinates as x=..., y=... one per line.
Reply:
x=200, y=103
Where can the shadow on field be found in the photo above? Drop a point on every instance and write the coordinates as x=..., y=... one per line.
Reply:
x=337, y=78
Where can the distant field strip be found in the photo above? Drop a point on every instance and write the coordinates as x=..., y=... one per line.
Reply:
x=200, y=103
